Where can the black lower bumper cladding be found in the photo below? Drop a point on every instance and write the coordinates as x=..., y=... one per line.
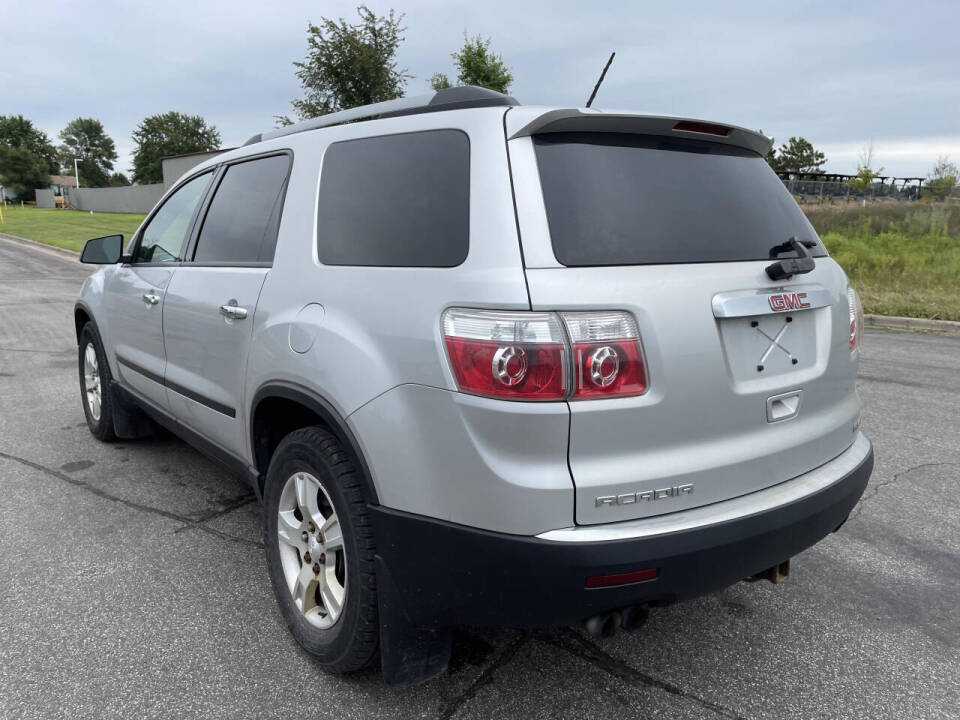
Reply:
x=442, y=574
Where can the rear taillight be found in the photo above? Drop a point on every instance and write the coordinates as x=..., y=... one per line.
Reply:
x=608, y=359
x=856, y=319
x=519, y=355
x=528, y=356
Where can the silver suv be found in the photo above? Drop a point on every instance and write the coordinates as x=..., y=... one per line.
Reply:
x=490, y=364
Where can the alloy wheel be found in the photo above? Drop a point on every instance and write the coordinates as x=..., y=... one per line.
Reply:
x=312, y=552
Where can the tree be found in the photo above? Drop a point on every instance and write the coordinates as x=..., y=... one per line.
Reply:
x=85, y=140
x=171, y=133
x=771, y=156
x=27, y=157
x=865, y=172
x=349, y=65
x=797, y=155
x=118, y=179
x=943, y=178
x=476, y=65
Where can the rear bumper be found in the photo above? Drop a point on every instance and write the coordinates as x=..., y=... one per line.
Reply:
x=446, y=574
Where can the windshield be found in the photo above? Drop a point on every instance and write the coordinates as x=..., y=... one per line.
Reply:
x=619, y=199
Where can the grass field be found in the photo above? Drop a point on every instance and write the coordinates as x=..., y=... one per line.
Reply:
x=903, y=258
x=66, y=228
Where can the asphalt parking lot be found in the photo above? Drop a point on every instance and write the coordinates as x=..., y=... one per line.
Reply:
x=132, y=577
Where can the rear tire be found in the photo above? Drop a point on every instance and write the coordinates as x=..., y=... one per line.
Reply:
x=320, y=550
x=96, y=392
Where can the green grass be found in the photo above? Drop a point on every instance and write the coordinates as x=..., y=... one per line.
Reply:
x=903, y=259
x=66, y=228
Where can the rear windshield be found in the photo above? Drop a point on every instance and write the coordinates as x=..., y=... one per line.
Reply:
x=618, y=199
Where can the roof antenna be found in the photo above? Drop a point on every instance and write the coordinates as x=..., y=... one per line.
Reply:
x=602, y=76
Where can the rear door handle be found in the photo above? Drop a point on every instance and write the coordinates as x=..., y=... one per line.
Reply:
x=233, y=312
x=151, y=299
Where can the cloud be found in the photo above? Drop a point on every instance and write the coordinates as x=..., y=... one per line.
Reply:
x=837, y=74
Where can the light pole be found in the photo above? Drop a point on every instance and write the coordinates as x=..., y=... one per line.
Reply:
x=76, y=172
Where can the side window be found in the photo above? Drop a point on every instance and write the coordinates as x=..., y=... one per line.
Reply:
x=244, y=216
x=162, y=238
x=396, y=200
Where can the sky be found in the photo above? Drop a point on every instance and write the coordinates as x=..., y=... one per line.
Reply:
x=841, y=74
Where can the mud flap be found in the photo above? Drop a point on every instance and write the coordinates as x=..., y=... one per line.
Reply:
x=129, y=423
x=408, y=653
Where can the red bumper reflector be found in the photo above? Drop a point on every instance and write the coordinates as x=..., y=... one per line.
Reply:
x=702, y=127
x=599, y=581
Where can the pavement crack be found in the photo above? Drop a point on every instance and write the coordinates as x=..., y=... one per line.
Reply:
x=225, y=509
x=76, y=482
x=897, y=476
x=580, y=647
x=503, y=656
x=37, y=350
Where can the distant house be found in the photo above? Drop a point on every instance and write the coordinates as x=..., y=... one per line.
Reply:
x=59, y=185
x=59, y=182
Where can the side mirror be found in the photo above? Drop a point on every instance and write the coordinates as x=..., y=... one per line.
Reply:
x=103, y=250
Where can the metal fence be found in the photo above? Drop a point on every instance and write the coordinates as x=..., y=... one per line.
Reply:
x=129, y=199
x=823, y=187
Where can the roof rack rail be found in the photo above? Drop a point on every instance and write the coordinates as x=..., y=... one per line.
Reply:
x=456, y=98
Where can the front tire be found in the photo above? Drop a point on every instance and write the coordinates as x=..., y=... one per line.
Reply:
x=320, y=550
x=95, y=390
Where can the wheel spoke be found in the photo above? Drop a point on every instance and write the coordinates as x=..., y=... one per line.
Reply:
x=332, y=534
x=288, y=529
x=95, y=405
x=307, y=489
x=331, y=602
x=304, y=589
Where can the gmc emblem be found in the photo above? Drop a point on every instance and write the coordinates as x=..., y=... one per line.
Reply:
x=788, y=301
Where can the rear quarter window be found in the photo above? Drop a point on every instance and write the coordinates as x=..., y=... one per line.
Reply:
x=396, y=200
x=618, y=199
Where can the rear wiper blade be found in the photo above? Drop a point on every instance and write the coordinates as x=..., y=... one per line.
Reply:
x=788, y=267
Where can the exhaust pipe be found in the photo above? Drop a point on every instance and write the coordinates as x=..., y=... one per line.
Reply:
x=634, y=618
x=777, y=574
x=605, y=625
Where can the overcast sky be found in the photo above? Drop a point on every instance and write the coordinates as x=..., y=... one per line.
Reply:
x=838, y=73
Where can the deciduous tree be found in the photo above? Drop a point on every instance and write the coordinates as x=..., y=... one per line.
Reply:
x=27, y=157
x=942, y=179
x=171, y=133
x=85, y=140
x=477, y=65
x=866, y=173
x=350, y=65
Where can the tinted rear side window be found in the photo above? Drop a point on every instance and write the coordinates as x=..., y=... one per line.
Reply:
x=244, y=216
x=617, y=199
x=396, y=200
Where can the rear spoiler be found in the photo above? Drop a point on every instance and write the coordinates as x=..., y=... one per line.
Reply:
x=579, y=120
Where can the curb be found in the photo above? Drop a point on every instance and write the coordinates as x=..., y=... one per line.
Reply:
x=890, y=322
x=72, y=254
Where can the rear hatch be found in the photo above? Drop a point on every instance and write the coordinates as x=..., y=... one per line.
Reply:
x=750, y=380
